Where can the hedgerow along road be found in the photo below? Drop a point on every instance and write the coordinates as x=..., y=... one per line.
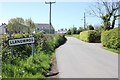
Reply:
x=78, y=59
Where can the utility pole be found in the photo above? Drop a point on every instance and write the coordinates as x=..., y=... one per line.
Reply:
x=49, y=15
x=84, y=20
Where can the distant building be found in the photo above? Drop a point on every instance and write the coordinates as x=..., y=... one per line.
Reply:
x=3, y=28
x=62, y=31
x=44, y=28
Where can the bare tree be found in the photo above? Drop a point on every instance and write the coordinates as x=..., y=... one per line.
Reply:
x=107, y=11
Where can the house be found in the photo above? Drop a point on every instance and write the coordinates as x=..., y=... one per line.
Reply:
x=44, y=28
x=3, y=28
x=62, y=31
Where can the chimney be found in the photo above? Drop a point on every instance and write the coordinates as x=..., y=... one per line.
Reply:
x=3, y=24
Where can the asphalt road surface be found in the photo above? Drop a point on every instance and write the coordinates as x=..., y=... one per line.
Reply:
x=78, y=59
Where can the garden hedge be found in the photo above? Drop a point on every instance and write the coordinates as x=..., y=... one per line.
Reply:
x=111, y=38
x=23, y=65
x=90, y=36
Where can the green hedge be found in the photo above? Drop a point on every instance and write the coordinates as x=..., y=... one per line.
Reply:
x=111, y=38
x=90, y=36
x=23, y=65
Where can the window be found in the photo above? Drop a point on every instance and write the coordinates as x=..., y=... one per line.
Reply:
x=38, y=29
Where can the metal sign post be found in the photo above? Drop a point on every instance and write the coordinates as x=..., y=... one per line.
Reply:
x=32, y=49
x=11, y=48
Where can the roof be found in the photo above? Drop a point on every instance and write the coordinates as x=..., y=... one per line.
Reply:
x=43, y=26
x=3, y=25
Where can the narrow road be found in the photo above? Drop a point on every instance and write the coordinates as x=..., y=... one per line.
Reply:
x=78, y=59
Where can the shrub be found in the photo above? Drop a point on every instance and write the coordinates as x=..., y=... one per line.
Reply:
x=90, y=36
x=68, y=32
x=110, y=38
x=80, y=30
x=23, y=65
x=90, y=27
x=18, y=36
x=73, y=30
x=4, y=37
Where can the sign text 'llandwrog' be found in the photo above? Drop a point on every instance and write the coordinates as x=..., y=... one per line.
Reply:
x=21, y=41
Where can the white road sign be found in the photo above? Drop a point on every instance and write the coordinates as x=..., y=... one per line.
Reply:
x=21, y=41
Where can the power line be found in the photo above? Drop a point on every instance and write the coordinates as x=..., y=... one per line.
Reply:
x=50, y=15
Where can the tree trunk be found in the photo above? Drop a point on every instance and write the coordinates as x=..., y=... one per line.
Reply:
x=113, y=23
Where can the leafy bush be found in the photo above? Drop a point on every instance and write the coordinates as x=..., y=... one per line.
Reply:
x=4, y=37
x=90, y=27
x=27, y=68
x=73, y=30
x=90, y=36
x=23, y=65
x=17, y=35
x=111, y=38
x=80, y=30
x=68, y=32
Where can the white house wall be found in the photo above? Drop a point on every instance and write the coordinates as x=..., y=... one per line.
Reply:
x=2, y=29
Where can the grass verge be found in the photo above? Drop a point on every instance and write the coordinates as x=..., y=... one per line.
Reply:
x=74, y=35
x=112, y=50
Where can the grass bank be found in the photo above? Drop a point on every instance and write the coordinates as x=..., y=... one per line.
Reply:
x=74, y=35
x=112, y=50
